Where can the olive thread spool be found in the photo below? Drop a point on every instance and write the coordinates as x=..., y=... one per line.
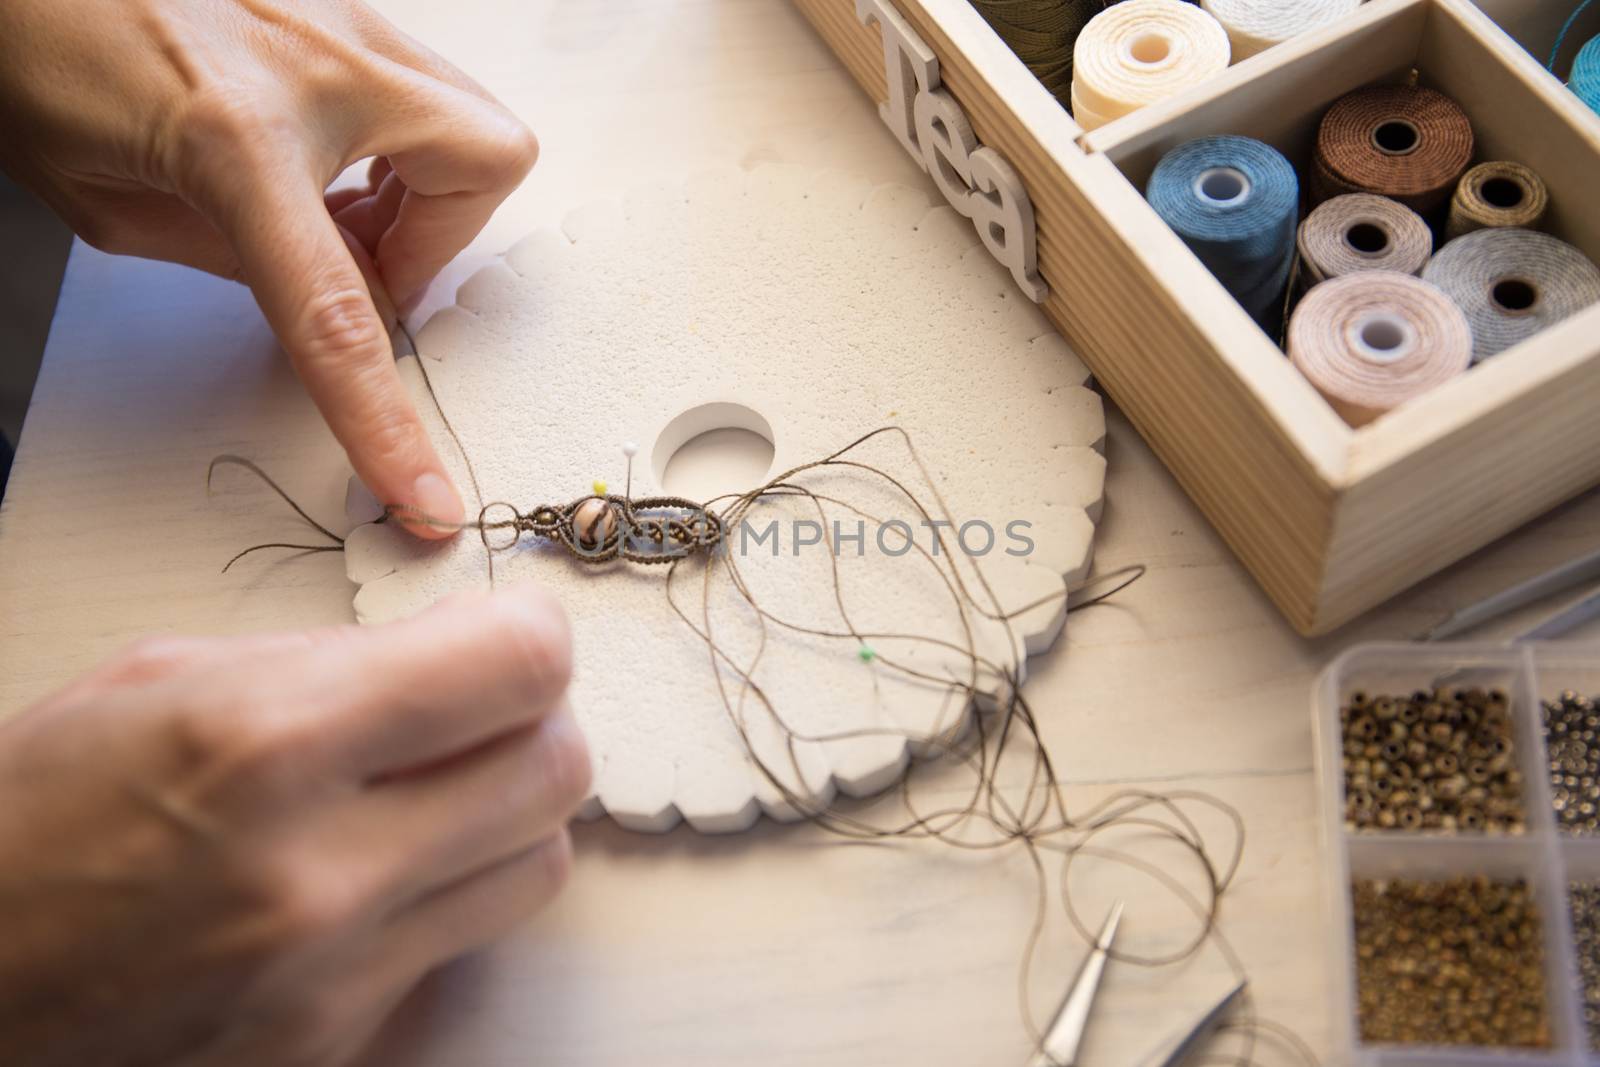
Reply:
x=1042, y=34
x=1234, y=201
x=1512, y=283
x=1496, y=195
x=1407, y=143
x=1359, y=232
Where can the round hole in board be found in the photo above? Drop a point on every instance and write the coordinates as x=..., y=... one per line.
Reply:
x=1367, y=238
x=1501, y=192
x=1150, y=48
x=1396, y=137
x=1514, y=295
x=711, y=450
x=1222, y=185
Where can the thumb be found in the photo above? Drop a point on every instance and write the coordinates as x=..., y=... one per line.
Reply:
x=304, y=274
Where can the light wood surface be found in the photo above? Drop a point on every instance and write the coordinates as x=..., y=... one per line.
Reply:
x=779, y=947
x=1330, y=521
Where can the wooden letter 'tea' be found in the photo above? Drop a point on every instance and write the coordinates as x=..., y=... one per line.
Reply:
x=928, y=123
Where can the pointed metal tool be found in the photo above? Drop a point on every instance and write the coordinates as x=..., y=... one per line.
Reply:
x=1177, y=1048
x=1065, y=1036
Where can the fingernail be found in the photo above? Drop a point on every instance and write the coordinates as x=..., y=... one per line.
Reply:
x=437, y=499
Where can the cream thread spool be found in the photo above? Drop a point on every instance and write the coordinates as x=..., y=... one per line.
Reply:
x=1512, y=283
x=1141, y=51
x=1358, y=232
x=1370, y=341
x=1256, y=25
x=1495, y=195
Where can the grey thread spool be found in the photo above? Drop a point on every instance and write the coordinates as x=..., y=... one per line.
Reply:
x=1513, y=283
x=1360, y=231
x=1497, y=194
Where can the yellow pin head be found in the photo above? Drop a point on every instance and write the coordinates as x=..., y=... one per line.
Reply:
x=599, y=488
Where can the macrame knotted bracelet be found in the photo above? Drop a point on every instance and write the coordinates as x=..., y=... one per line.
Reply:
x=598, y=529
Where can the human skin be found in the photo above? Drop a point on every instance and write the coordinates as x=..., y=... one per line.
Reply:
x=206, y=132
x=232, y=852
x=242, y=852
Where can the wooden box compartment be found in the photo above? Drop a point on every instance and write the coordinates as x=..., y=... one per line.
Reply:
x=1330, y=520
x=1536, y=24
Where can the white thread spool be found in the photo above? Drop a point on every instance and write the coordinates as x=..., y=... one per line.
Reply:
x=1256, y=25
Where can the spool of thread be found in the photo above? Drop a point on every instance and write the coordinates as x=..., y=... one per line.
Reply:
x=1234, y=201
x=1359, y=231
x=1494, y=195
x=1371, y=341
x=1585, y=78
x=1141, y=51
x=1513, y=283
x=1407, y=143
x=1256, y=25
x=1042, y=34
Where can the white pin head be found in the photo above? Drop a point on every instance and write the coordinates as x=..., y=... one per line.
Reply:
x=629, y=449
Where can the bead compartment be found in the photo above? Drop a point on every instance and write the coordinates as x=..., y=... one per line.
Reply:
x=1548, y=859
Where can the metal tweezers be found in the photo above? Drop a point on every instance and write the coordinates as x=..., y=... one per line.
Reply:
x=1065, y=1037
x=1568, y=575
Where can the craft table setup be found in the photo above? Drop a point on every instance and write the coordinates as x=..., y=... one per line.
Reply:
x=778, y=944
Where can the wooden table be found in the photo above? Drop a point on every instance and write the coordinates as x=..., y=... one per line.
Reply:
x=779, y=946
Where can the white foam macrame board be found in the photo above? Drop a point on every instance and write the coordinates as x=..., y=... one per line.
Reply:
x=811, y=307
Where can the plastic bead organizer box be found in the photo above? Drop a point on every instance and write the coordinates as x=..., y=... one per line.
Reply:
x=1330, y=519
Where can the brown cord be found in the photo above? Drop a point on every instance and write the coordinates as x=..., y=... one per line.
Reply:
x=1032, y=816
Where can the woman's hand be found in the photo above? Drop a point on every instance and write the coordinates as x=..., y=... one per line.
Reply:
x=244, y=852
x=206, y=131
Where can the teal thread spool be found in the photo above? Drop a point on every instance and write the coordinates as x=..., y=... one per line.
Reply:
x=1235, y=202
x=1585, y=80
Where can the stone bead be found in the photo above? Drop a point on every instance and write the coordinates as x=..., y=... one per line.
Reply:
x=594, y=523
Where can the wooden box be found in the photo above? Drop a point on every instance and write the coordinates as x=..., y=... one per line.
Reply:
x=1331, y=520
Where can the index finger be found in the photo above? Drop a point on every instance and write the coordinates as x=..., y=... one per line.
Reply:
x=304, y=274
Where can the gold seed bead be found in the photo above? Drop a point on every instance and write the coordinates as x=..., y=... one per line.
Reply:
x=1452, y=962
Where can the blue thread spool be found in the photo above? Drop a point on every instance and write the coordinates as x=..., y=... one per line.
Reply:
x=1585, y=80
x=1235, y=202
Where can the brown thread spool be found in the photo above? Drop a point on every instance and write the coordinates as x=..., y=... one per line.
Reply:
x=1513, y=283
x=1496, y=195
x=1359, y=232
x=1407, y=143
x=1371, y=341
